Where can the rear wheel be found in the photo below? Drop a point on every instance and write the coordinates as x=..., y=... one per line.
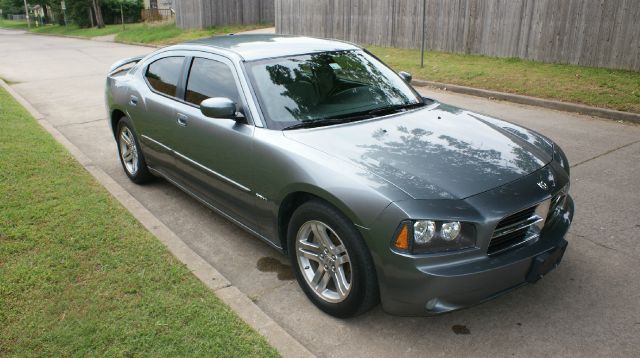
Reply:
x=130, y=153
x=332, y=264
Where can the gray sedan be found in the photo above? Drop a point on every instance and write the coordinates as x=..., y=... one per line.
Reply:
x=375, y=193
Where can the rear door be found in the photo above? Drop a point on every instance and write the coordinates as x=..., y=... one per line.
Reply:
x=215, y=154
x=152, y=108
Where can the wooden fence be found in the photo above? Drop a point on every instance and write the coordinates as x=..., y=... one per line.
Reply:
x=598, y=33
x=207, y=13
x=153, y=15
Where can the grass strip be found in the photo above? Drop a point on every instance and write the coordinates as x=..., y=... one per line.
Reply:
x=70, y=30
x=168, y=33
x=79, y=276
x=162, y=33
x=598, y=87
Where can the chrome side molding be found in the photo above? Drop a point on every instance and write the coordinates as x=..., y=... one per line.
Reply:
x=200, y=166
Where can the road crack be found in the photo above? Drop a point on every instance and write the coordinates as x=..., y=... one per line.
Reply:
x=80, y=123
x=605, y=153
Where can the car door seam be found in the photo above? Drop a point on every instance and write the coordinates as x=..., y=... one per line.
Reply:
x=156, y=142
x=211, y=171
x=216, y=209
x=203, y=167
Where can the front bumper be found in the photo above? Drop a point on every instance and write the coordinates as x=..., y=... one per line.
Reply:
x=433, y=284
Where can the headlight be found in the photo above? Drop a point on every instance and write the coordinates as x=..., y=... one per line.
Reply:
x=430, y=236
x=450, y=231
x=423, y=231
x=561, y=158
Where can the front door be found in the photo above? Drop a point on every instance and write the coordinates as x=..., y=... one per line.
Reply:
x=214, y=155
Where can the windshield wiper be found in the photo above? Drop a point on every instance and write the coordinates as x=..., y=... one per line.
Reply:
x=352, y=117
x=324, y=122
x=393, y=108
x=370, y=113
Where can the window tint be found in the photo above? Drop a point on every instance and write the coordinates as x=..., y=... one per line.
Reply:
x=209, y=78
x=163, y=75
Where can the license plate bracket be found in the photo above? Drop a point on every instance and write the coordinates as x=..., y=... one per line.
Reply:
x=546, y=262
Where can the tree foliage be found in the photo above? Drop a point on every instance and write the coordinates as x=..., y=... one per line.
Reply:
x=11, y=7
x=130, y=8
x=78, y=11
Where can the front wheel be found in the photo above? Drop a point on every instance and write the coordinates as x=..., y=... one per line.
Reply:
x=130, y=153
x=331, y=262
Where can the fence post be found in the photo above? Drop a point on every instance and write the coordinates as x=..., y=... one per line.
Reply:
x=424, y=20
x=26, y=13
x=63, y=5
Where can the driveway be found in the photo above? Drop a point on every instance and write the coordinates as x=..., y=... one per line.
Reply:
x=588, y=306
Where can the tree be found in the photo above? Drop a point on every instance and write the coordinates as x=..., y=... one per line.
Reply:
x=97, y=11
x=115, y=11
x=11, y=7
x=81, y=12
x=16, y=7
x=84, y=13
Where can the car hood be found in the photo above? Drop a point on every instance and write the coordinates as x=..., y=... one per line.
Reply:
x=435, y=152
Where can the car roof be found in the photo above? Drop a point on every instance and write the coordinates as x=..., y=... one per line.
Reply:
x=253, y=47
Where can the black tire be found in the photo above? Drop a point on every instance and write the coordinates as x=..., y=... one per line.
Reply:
x=363, y=293
x=141, y=173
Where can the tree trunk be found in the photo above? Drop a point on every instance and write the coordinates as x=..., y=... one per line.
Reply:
x=98, y=12
x=90, y=16
x=26, y=13
x=122, y=16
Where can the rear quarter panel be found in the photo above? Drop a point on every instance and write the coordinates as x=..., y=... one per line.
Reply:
x=116, y=95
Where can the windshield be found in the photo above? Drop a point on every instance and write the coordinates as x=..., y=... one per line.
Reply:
x=315, y=87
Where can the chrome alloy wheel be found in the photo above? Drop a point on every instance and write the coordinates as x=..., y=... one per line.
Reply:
x=128, y=151
x=324, y=261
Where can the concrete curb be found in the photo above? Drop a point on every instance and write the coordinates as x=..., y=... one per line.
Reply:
x=534, y=101
x=91, y=39
x=140, y=44
x=57, y=35
x=242, y=305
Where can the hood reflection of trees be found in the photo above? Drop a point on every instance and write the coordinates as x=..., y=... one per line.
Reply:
x=437, y=167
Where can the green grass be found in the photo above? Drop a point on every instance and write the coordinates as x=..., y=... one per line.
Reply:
x=598, y=87
x=74, y=30
x=168, y=33
x=9, y=82
x=70, y=30
x=156, y=33
x=79, y=276
x=11, y=24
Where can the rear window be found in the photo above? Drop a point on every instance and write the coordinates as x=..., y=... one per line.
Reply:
x=163, y=75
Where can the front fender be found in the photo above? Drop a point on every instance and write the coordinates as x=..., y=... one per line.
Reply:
x=360, y=212
x=283, y=167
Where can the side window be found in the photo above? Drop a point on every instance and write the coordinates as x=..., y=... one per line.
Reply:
x=209, y=78
x=163, y=75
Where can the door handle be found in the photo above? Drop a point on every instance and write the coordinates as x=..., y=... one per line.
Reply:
x=182, y=120
x=133, y=100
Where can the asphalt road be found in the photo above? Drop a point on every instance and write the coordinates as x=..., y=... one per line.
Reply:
x=589, y=306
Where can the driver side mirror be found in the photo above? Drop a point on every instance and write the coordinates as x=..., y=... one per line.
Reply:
x=406, y=76
x=218, y=107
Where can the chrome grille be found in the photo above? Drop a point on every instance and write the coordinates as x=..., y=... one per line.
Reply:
x=519, y=228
